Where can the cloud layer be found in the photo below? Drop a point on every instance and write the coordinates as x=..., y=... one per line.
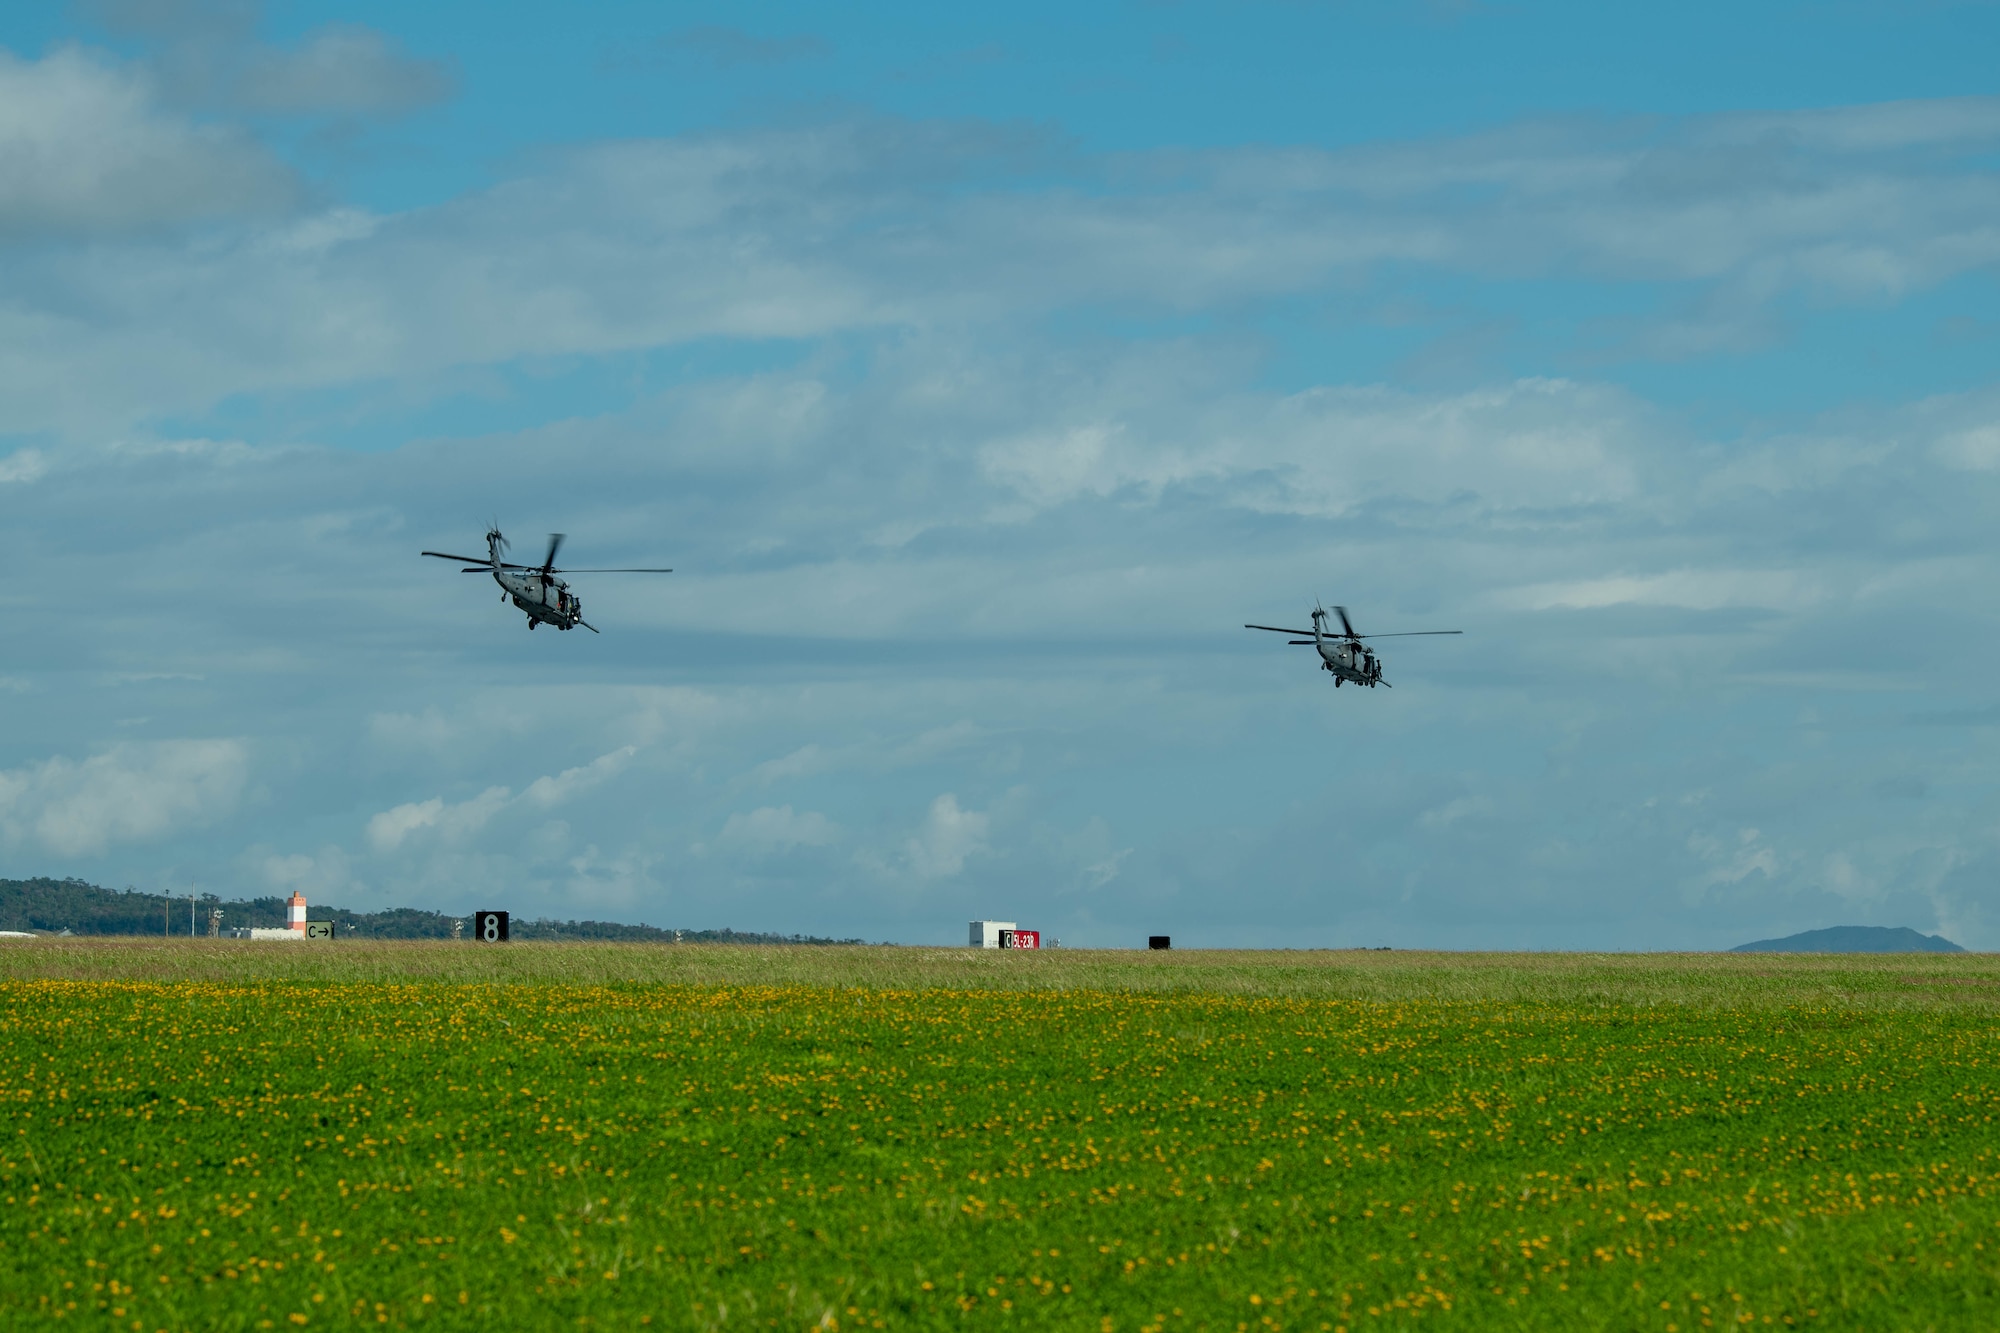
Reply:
x=129, y=793
x=883, y=226
x=86, y=152
x=972, y=449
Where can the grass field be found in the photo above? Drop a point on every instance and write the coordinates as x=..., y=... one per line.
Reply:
x=241, y=1136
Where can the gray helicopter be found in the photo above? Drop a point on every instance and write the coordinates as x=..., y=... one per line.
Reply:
x=1344, y=654
x=535, y=588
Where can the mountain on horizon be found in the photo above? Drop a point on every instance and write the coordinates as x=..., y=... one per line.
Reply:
x=1854, y=939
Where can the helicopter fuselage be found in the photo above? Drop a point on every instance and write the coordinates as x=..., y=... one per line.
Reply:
x=545, y=598
x=1348, y=661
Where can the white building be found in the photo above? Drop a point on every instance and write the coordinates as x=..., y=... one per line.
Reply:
x=293, y=929
x=986, y=934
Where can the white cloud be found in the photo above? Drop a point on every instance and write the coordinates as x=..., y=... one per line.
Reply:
x=1052, y=467
x=85, y=149
x=1696, y=589
x=1464, y=807
x=130, y=793
x=548, y=792
x=800, y=763
x=1690, y=198
x=453, y=822
x=388, y=830
x=340, y=69
x=1975, y=449
x=210, y=55
x=876, y=755
x=1534, y=443
x=777, y=829
x=1099, y=873
x=1093, y=852
x=950, y=835
x=23, y=465
x=1881, y=127
x=804, y=233
x=1732, y=862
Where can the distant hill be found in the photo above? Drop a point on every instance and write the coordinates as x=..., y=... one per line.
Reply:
x=1854, y=939
x=50, y=906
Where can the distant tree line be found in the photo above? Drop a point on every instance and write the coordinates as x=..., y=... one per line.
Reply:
x=51, y=906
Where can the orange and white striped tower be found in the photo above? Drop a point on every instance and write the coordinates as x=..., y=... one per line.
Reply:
x=295, y=912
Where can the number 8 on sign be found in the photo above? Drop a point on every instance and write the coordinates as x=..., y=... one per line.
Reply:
x=489, y=926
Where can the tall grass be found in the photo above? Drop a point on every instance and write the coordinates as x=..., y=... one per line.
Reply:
x=1743, y=981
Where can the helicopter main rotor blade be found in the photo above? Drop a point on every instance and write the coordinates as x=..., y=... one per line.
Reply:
x=1278, y=630
x=1305, y=643
x=1409, y=633
x=462, y=559
x=549, y=560
x=607, y=571
x=1345, y=623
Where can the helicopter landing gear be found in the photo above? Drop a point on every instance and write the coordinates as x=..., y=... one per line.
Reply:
x=531, y=624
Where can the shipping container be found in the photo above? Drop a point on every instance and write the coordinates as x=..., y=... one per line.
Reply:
x=986, y=934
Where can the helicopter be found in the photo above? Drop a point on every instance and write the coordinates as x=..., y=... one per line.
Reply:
x=1343, y=653
x=535, y=588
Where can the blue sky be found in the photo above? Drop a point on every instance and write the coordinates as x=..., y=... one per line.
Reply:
x=980, y=375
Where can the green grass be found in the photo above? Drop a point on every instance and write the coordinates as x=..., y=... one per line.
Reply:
x=240, y=1136
x=1750, y=981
